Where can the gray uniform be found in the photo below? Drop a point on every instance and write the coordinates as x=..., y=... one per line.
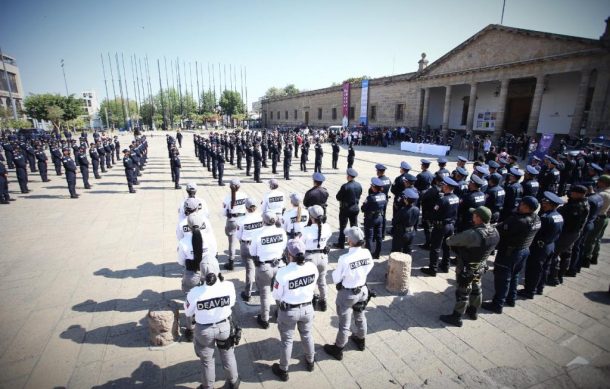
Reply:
x=233, y=214
x=248, y=227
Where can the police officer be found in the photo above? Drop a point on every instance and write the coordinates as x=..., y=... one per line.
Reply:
x=257, y=157
x=444, y=216
x=102, y=153
x=474, y=198
x=274, y=200
x=220, y=166
x=264, y=149
x=293, y=289
x=304, y=155
x=21, y=170
x=211, y=304
x=348, y=197
x=196, y=253
x=176, y=165
x=275, y=157
x=461, y=162
x=316, y=238
x=427, y=201
x=129, y=170
x=287, y=160
x=191, y=191
x=398, y=186
x=530, y=184
x=584, y=245
x=41, y=158
x=214, y=153
x=239, y=150
x=296, y=218
x=4, y=194
x=319, y=153
x=353, y=294
x=442, y=162
x=83, y=164
x=373, y=208
x=351, y=155
x=336, y=149
x=473, y=247
x=247, y=227
x=30, y=153
x=387, y=184
x=513, y=193
x=516, y=235
x=574, y=212
x=70, y=168
x=494, y=197
x=424, y=179
x=248, y=152
x=404, y=223
x=56, y=158
x=95, y=160
x=318, y=195
x=117, y=147
x=234, y=209
x=267, y=248
x=549, y=177
x=543, y=246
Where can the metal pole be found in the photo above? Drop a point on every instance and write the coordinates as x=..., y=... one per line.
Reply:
x=118, y=69
x=241, y=81
x=246, y=82
x=235, y=79
x=502, y=17
x=136, y=92
x=198, y=90
x=126, y=92
x=170, y=108
x=65, y=80
x=150, y=95
x=161, y=93
x=106, y=87
x=10, y=89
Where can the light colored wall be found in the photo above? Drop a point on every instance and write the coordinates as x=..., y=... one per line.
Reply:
x=558, y=103
x=486, y=102
x=458, y=92
x=436, y=107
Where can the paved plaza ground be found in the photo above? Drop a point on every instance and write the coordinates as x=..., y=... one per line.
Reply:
x=77, y=278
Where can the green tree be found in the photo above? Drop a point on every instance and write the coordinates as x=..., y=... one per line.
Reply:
x=208, y=102
x=231, y=103
x=355, y=79
x=54, y=108
x=274, y=92
x=290, y=90
x=115, y=112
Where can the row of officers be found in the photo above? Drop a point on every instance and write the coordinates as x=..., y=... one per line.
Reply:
x=68, y=158
x=285, y=252
x=250, y=153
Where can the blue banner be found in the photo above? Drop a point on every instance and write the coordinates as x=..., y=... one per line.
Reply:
x=544, y=145
x=364, y=103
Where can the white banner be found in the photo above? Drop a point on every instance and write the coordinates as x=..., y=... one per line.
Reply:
x=364, y=103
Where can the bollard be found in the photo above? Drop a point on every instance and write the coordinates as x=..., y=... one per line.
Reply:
x=399, y=273
x=163, y=324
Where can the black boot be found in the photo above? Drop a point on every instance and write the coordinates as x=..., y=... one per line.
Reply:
x=334, y=351
x=188, y=335
x=490, y=306
x=277, y=370
x=455, y=319
x=263, y=324
x=428, y=271
x=358, y=341
x=245, y=296
x=471, y=312
x=322, y=305
x=229, y=265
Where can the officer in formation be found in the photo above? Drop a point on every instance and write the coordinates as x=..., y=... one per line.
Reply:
x=317, y=195
x=295, y=219
x=404, y=223
x=372, y=209
x=316, y=238
x=385, y=188
x=335, y=153
x=41, y=158
x=348, y=197
x=83, y=164
x=234, y=208
x=304, y=155
x=248, y=227
x=351, y=155
x=70, y=168
x=130, y=170
x=319, y=154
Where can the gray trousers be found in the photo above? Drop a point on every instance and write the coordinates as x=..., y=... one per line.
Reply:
x=190, y=279
x=345, y=300
x=249, y=264
x=230, y=231
x=287, y=321
x=321, y=262
x=205, y=344
x=265, y=273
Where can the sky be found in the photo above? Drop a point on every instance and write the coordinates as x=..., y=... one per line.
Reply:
x=307, y=43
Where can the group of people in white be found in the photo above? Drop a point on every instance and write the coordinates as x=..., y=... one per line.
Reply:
x=285, y=253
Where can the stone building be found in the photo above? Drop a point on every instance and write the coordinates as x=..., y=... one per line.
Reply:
x=502, y=79
x=10, y=85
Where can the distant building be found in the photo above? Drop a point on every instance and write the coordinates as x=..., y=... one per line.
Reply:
x=92, y=106
x=14, y=80
x=501, y=80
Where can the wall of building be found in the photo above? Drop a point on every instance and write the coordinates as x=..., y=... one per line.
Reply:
x=458, y=93
x=558, y=103
x=487, y=101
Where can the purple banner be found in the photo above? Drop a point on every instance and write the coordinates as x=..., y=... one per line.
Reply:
x=544, y=145
x=346, y=90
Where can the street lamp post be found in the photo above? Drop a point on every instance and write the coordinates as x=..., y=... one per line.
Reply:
x=65, y=81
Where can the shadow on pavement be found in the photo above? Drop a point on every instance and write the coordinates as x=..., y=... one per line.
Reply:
x=143, y=302
x=602, y=297
x=122, y=335
x=148, y=269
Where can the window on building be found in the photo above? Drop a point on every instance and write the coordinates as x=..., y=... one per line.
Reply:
x=295, y=114
x=12, y=79
x=286, y=115
x=334, y=113
x=352, y=113
x=465, y=104
x=399, y=115
x=373, y=115
x=278, y=115
x=319, y=113
x=271, y=114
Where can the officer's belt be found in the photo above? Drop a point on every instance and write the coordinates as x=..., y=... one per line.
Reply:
x=236, y=214
x=245, y=241
x=356, y=288
x=314, y=251
x=443, y=222
x=213, y=324
x=409, y=229
x=290, y=306
x=271, y=260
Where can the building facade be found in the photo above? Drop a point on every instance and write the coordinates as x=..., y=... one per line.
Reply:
x=92, y=106
x=502, y=79
x=10, y=84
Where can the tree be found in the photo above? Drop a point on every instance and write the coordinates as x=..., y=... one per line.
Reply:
x=115, y=111
x=54, y=108
x=231, y=103
x=208, y=102
x=274, y=92
x=290, y=90
x=356, y=79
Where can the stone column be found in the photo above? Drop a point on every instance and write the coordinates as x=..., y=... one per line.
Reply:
x=532, y=124
x=447, y=108
x=472, y=101
x=501, y=108
x=424, y=116
x=599, y=103
x=581, y=99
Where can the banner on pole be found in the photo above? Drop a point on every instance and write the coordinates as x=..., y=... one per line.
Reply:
x=346, y=90
x=543, y=146
x=364, y=103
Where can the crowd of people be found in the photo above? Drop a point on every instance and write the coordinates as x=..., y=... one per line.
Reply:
x=283, y=240
x=23, y=153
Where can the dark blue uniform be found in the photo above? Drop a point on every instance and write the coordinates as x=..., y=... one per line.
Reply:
x=128, y=164
x=258, y=158
x=472, y=199
x=443, y=220
x=404, y=226
x=351, y=155
x=95, y=161
x=70, y=168
x=318, y=158
x=348, y=197
x=287, y=162
x=494, y=200
x=21, y=171
x=41, y=160
x=335, y=155
x=4, y=195
x=220, y=166
x=424, y=180
x=83, y=164
x=512, y=197
x=595, y=203
x=373, y=221
x=541, y=252
x=530, y=187
x=428, y=201
x=176, y=165
x=304, y=156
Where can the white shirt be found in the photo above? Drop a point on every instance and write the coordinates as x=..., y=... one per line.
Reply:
x=209, y=263
x=290, y=220
x=274, y=200
x=204, y=208
x=182, y=229
x=295, y=284
x=353, y=267
x=249, y=225
x=240, y=203
x=269, y=243
x=210, y=304
x=486, y=145
x=310, y=236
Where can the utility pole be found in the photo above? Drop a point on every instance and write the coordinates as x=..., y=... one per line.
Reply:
x=106, y=87
x=118, y=69
x=502, y=17
x=126, y=92
x=65, y=81
x=161, y=93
